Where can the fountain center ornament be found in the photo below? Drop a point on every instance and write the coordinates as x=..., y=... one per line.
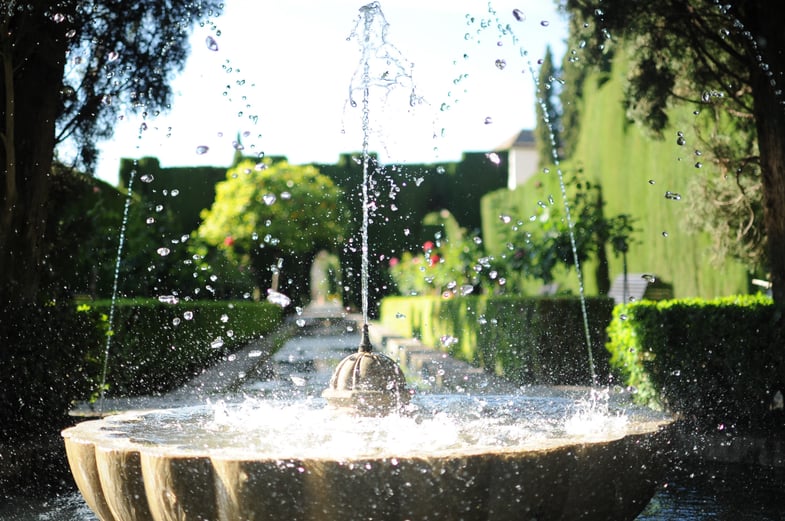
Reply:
x=367, y=383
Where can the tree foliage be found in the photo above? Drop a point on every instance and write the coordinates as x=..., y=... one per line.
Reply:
x=549, y=127
x=726, y=57
x=548, y=241
x=274, y=218
x=67, y=70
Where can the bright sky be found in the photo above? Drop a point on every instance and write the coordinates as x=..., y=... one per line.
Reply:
x=279, y=74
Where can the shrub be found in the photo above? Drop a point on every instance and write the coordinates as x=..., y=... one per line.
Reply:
x=717, y=363
x=529, y=340
x=157, y=346
x=45, y=363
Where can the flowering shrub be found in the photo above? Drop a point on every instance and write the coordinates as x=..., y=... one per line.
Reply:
x=452, y=264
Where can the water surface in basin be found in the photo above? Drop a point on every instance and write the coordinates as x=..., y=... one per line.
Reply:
x=435, y=424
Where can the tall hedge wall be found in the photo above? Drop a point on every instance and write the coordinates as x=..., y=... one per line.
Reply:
x=718, y=362
x=529, y=340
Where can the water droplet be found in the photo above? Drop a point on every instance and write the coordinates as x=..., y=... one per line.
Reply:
x=501, y=64
x=218, y=343
x=175, y=192
x=673, y=196
x=168, y=299
x=188, y=315
x=466, y=289
x=622, y=317
x=519, y=15
x=202, y=149
x=664, y=234
x=58, y=18
x=163, y=252
x=506, y=219
x=269, y=199
x=279, y=299
x=176, y=321
x=212, y=45
x=651, y=181
x=147, y=178
x=150, y=220
x=681, y=141
x=488, y=120
x=301, y=322
x=648, y=278
x=286, y=195
x=494, y=158
x=698, y=165
x=224, y=318
x=448, y=340
x=400, y=315
x=545, y=23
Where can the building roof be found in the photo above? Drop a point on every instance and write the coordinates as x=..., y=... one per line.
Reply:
x=523, y=139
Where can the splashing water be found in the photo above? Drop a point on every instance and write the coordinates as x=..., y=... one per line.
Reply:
x=436, y=424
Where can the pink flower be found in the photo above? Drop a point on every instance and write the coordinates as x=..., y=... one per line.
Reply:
x=229, y=240
x=393, y=261
x=434, y=260
x=427, y=246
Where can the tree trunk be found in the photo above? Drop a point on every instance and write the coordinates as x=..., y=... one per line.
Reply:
x=769, y=109
x=33, y=50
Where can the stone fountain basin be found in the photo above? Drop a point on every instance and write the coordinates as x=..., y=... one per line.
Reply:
x=123, y=478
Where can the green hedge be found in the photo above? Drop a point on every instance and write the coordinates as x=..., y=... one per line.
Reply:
x=156, y=347
x=529, y=340
x=45, y=364
x=717, y=363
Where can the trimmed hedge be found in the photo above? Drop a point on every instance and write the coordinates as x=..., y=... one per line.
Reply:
x=528, y=340
x=718, y=363
x=44, y=365
x=156, y=347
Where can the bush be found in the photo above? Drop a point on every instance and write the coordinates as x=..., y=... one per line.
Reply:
x=45, y=364
x=529, y=340
x=717, y=363
x=156, y=347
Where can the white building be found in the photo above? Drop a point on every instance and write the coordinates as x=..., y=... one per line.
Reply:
x=522, y=157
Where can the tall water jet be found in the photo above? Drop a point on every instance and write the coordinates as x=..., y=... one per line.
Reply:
x=115, y=283
x=368, y=382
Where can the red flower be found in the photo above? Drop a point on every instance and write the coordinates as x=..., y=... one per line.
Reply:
x=229, y=240
x=427, y=246
x=434, y=260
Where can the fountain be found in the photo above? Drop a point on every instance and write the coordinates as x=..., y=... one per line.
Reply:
x=369, y=448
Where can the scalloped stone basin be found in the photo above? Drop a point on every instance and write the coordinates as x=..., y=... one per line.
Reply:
x=455, y=457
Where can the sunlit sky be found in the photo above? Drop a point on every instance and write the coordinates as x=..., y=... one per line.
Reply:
x=279, y=75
